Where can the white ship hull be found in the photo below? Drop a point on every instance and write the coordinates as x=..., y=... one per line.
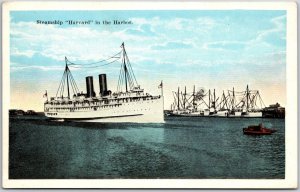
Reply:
x=236, y=114
x=143, y=111
x=220, y=114
x=252, y=114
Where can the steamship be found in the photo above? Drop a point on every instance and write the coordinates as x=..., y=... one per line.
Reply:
x=128, y=104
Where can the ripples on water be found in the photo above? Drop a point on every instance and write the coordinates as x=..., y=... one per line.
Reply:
x=180, y=148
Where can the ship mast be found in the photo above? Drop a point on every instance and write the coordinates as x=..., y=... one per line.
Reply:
x=125, y=68
x=194, y=97
x=68, y=79
x=126, y=73
x=214, y=100
x=178, y=99
x=184, y=98
x=67, y=68
x=209, y=99
x=233, y=99
x=224, y=101
x=247, y=95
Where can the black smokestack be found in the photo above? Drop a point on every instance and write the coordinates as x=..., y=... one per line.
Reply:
x=90, y=87
x=103, y=85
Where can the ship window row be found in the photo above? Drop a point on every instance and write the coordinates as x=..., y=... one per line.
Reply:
x=84, y=108
x=52, y=114
x=131, y=110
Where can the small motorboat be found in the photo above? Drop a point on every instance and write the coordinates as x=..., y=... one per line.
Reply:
x=258, y=130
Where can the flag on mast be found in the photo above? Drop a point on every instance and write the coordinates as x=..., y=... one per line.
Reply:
x=45, y=95
x=160, y=85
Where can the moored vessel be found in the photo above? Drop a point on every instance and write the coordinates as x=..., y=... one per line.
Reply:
x=207, y=104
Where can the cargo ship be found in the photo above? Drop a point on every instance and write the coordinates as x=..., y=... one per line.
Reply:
x=130, y=103
x=205, y=103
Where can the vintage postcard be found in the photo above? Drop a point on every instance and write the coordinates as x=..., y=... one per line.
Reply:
x=149, y=95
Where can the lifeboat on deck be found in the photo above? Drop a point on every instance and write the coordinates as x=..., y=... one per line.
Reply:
x=258, y=130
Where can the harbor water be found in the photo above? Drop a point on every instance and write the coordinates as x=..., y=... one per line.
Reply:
x=182, y=147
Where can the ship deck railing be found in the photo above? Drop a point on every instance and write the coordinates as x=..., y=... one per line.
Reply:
x=79, y=108
x=86, y=104
x=100, y=100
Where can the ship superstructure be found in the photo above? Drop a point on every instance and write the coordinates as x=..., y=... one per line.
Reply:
x=128, y=104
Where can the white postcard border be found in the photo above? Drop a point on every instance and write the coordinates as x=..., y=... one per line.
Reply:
x=291, y=167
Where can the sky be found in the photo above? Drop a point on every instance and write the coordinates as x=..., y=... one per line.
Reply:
x=211, y=49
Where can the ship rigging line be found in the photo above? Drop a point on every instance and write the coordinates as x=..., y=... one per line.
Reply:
x=67, y=74
x=127, y=59
x=84, y=64
x=126, y=73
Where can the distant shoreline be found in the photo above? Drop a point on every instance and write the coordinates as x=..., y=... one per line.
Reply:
x=20, y=112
